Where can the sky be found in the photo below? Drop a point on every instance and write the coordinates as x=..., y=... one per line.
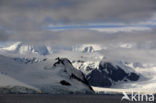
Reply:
x=71, y=22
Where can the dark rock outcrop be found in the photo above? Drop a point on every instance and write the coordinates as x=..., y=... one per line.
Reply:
x=107, y=74
x=63, y=82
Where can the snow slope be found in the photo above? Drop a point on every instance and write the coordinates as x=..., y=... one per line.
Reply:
x=47, y=76
x=10, y=85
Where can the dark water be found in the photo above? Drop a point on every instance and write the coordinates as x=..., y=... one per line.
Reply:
x=45, y=98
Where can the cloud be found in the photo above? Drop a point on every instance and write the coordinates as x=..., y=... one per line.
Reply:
x=26, y=20
x=122, y=29
x=27, y=13
x=3, y=35
x=105, y=27
x=72, y=37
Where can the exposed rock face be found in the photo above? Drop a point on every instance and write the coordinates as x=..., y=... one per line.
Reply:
x=108, y=74
x=89, y=49
x=98, y=78
x=63, y=82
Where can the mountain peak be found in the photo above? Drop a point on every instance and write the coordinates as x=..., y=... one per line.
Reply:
x=24, y=49
x=87, y=48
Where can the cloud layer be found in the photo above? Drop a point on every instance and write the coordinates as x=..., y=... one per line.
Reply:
x=24, y=20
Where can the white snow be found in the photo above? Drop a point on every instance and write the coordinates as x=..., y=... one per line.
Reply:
x=87, y=48
x=24, y=49
x=8, y=82
x=38, y=76
x=100, y=90
x=83, y=65
x=126, y=45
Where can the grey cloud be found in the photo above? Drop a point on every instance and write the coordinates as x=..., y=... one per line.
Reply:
x=73, y=37
x=26, y=18
x=99, y=10
x=74, y=11
x=3, y=35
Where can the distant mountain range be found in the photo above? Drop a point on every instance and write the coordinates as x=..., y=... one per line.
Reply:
x=83, y=69
x=22, y=48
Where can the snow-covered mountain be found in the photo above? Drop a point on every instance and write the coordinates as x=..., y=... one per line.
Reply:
x=48, y=76
x=91, y=48
x=24, y=49
x=106, y=74
x=87, y=48
x=41, y=74
x=109, y=74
